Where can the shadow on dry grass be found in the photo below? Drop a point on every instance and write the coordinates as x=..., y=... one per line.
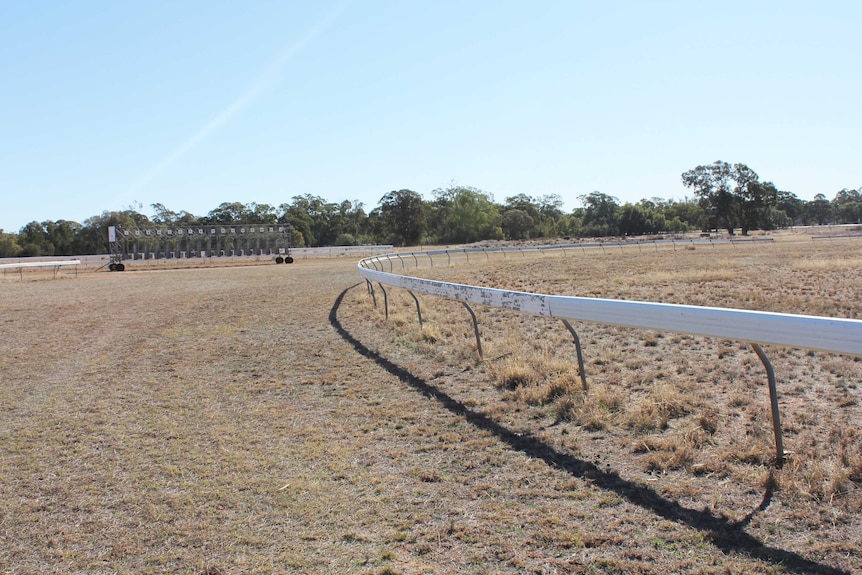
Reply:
x=728, y=536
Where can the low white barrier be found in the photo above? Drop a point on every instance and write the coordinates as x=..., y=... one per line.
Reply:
x=49, y=264
x=40, y=264
x=835, y=335
x=332, y=251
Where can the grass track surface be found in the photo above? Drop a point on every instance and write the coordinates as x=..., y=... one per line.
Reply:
x=267, y=419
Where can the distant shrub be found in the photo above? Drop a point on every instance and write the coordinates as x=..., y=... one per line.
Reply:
x=346, y=240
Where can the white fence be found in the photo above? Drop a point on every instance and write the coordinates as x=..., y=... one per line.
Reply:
x=56, y=264
x=334, y=251
x=835, y=335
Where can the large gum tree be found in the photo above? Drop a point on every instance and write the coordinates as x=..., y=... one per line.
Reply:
x=731, y=193
x=404, y=216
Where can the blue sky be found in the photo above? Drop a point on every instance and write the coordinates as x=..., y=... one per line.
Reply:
x=107, y=105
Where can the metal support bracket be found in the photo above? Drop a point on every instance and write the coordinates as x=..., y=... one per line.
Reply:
x=418, y=309
x=476, y=330
x=385, y=299
x=580, y=353
x=773, y=398
x=371, y=291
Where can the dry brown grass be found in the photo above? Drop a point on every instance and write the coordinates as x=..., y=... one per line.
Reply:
x=214, y=421
x=689, y=413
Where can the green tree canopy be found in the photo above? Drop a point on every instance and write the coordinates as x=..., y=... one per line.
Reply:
x=731, y=194
x=819, y=210
x=471, y=215
x=847, y=206
x=600, y=215
x=545, y=213
x=9, y=247
x=726, y=195
x=308, y=215
x=517, y=224
x=163, y=215
x=93, y=235
x=712, y=184
x=404, y=216
x=34, y=241
x=62, y=235
x=227, y=213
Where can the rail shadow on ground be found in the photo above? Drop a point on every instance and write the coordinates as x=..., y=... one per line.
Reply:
x=728, y=536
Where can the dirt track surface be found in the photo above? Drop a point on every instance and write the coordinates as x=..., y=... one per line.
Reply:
x=255, y=420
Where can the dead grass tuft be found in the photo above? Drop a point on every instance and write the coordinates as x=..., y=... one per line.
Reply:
x=830, y=473
x=546, y=392
x=679, y=457
x=594, y=410
x=708, y=421
x=511, y=374
x=653, y=412
x=430, y=333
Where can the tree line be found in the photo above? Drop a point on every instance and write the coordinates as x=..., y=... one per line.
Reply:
x=726, y=196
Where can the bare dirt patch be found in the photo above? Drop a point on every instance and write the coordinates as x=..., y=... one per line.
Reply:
x=267, y=419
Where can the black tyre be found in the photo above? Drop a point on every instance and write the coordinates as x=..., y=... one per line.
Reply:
x=121, y=267
x=279, y=260
x=288, y=260
x=112, y=266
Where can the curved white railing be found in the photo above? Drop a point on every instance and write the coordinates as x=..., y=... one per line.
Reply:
x=56, y=264
x=836, y=335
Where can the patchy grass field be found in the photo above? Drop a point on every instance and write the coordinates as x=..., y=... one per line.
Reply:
x=268, y=419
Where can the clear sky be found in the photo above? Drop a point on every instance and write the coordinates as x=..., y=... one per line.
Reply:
x=106, y=105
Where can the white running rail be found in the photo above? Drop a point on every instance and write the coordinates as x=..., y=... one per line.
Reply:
x=836, y=335
x=56, y=264
x=39, y=264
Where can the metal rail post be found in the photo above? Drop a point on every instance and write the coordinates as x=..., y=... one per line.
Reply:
x=475, y=330
x=418, y=309
x=580, y=354
x=371, y=291
x=385, y=299
x=773, y=399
